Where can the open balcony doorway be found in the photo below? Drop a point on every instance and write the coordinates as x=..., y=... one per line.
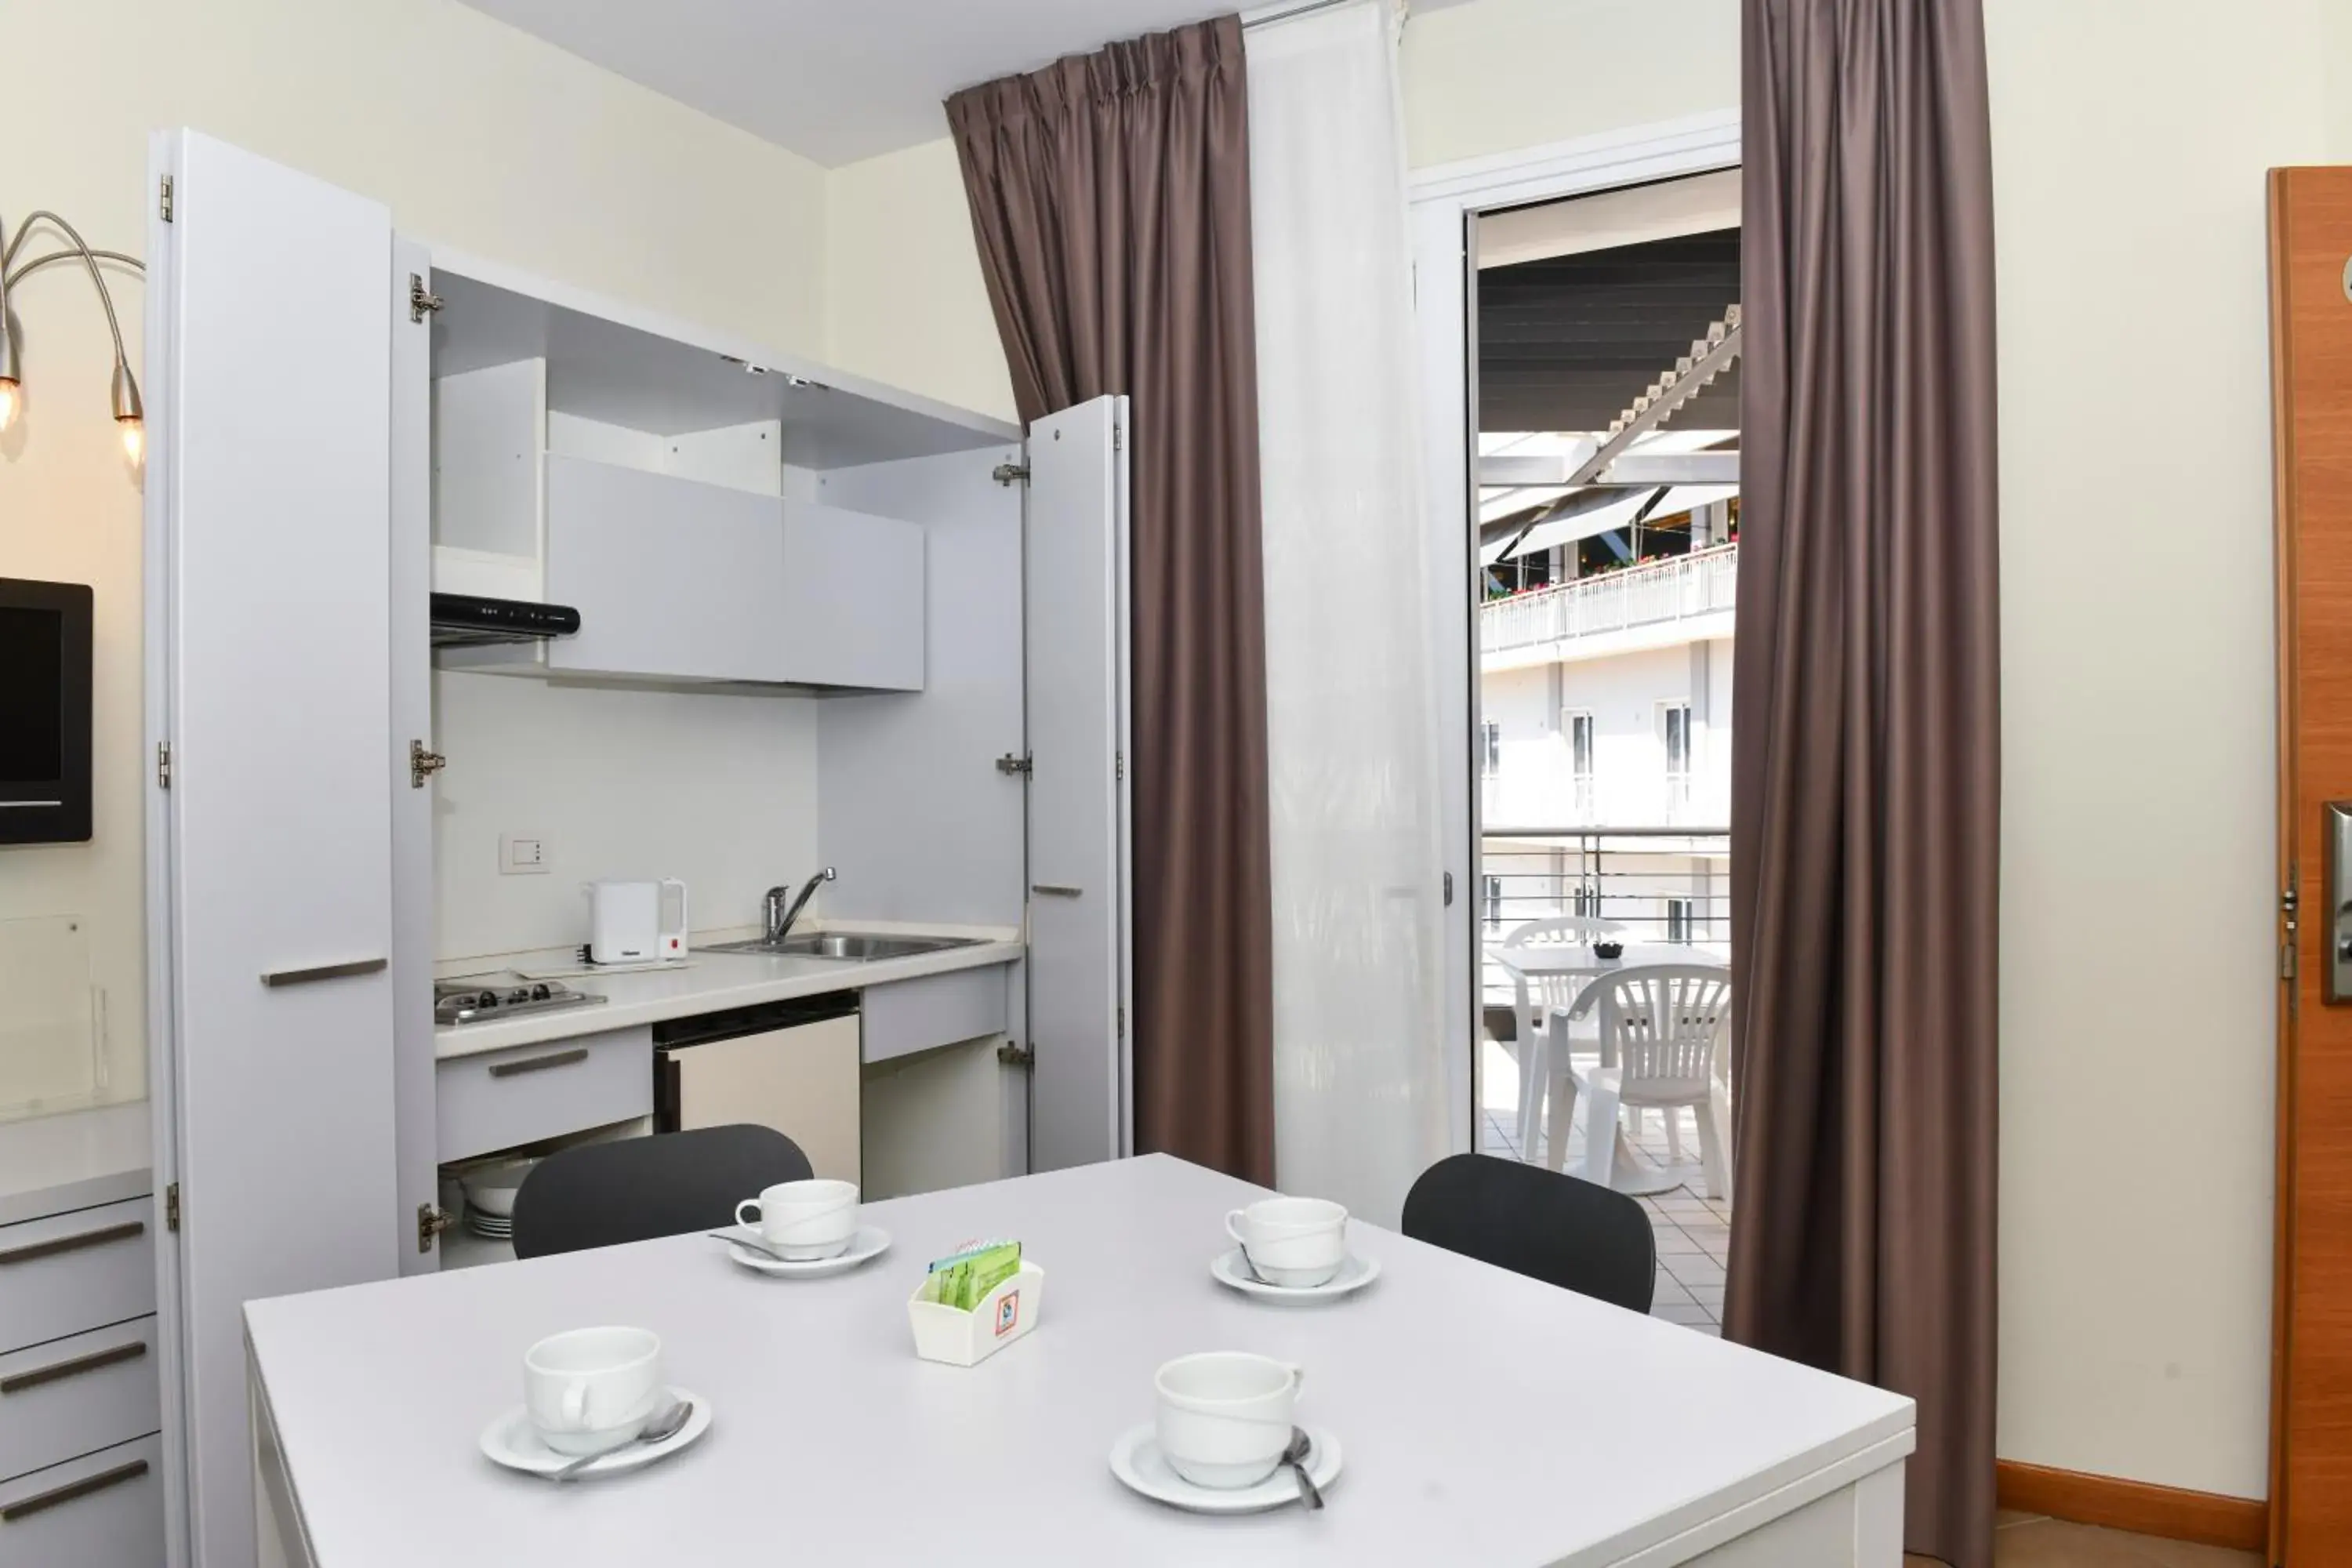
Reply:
x=1604, y=337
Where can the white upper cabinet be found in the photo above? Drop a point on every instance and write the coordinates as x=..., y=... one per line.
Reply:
x=672, y=578
x=669, y=490
x=853, y=599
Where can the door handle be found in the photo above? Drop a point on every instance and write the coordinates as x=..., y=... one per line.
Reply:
x=57, y=1244
x=278, y=977
x=540, y=1064
x=72, y=1489
x=1054, y=889
x=17, y=1381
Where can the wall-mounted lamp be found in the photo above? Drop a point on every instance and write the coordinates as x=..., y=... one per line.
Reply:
x=130, y=415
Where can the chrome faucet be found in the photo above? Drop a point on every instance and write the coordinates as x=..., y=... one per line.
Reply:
x=779, y=916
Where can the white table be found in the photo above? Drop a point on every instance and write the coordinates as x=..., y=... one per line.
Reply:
x=1539, y=960
x=1635, y=1442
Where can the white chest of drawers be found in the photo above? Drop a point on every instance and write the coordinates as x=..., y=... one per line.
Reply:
x=81, y=1407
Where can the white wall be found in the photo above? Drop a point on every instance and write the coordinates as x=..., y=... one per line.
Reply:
x=905, y=301
x=2138, y=902
x=476, y=135
x=718, y=790
x=1501, y=74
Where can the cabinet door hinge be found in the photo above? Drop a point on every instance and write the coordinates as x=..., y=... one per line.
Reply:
x=171, y=1207
x=422, y=764
x=167, y=198
x=420, y=303
x=163, y=765
x=1016, y=1056
x=1118, y=438
x=430, y=1223
x=1118, y=765
x=1022, y=764
x=1010, y=473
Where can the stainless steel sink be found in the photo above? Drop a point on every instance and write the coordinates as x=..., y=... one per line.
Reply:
x=848, y=945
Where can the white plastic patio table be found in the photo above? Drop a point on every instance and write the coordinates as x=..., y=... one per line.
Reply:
x=1627, y=1440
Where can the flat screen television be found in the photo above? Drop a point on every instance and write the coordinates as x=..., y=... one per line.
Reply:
x=44, y=711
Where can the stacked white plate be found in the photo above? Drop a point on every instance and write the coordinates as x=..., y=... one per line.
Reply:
x=490, y=1198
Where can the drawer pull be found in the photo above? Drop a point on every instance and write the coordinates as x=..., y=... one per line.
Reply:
x=278, y=977
x=57, y=1244
x=72, y=1489
x=1054, y=889
x=540, y=1064
x=17, y=1381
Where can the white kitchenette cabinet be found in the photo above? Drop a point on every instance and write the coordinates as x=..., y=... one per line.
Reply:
x=308, y=372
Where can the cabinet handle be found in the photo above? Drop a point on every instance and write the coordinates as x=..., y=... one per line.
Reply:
x=19, y=1382
x=57, y=1244
x=540, y=1064
x=1054, y=889
x=72, y=1489
x=278, y=977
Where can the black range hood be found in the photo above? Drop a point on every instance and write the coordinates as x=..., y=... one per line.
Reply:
x=461, y=620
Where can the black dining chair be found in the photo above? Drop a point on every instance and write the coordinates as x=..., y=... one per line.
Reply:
x=1590, y=1239
x=634, y=1189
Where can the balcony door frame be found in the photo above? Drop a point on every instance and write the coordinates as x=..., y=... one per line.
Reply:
x=1447, y=200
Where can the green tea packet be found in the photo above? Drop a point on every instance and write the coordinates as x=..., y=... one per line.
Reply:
x=963, y=1279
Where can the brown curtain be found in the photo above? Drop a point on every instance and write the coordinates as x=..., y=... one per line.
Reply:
x=1866, y=761
x=1110, y=196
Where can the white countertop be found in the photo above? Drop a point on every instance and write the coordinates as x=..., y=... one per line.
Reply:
x=74, y=1160
x=708, y=981
x=1483, y=1417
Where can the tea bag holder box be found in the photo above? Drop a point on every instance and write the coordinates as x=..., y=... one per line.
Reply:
x=966, y=1339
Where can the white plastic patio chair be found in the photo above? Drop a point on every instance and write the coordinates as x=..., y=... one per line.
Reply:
x=1538, y=998
x=1661, y=1027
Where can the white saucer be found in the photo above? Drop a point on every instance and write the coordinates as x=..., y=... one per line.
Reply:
x=1232, y=1268
x=871, y=1241
x=1137, y=1462
x=512, y=1441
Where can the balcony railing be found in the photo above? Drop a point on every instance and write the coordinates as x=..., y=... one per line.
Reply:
x=1662, y=884
x=1700, y=583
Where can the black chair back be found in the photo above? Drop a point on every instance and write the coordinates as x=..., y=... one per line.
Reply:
x=1590, y=1239
x=634, y=1189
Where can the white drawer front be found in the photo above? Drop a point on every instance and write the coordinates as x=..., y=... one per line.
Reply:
x=74, y=1271
x=500, y=1098
x=909, y=1016
x=102, y=1510
x=79, y=1393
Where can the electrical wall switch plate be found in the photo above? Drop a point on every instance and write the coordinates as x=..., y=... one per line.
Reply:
x=522, y=855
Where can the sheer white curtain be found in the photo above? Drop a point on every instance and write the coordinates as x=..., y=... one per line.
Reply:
x=1361, y=1083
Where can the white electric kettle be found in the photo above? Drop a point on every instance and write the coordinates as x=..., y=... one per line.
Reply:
x=637, y=922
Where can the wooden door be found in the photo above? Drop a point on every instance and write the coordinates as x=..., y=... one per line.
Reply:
x=1075, y=620
x=269, y=376
x=2311, y=331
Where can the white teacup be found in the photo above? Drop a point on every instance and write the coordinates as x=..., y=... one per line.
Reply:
x=1292, y=1242
x=589, y=1390
x=1224, y=1417
x=804, y=1220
